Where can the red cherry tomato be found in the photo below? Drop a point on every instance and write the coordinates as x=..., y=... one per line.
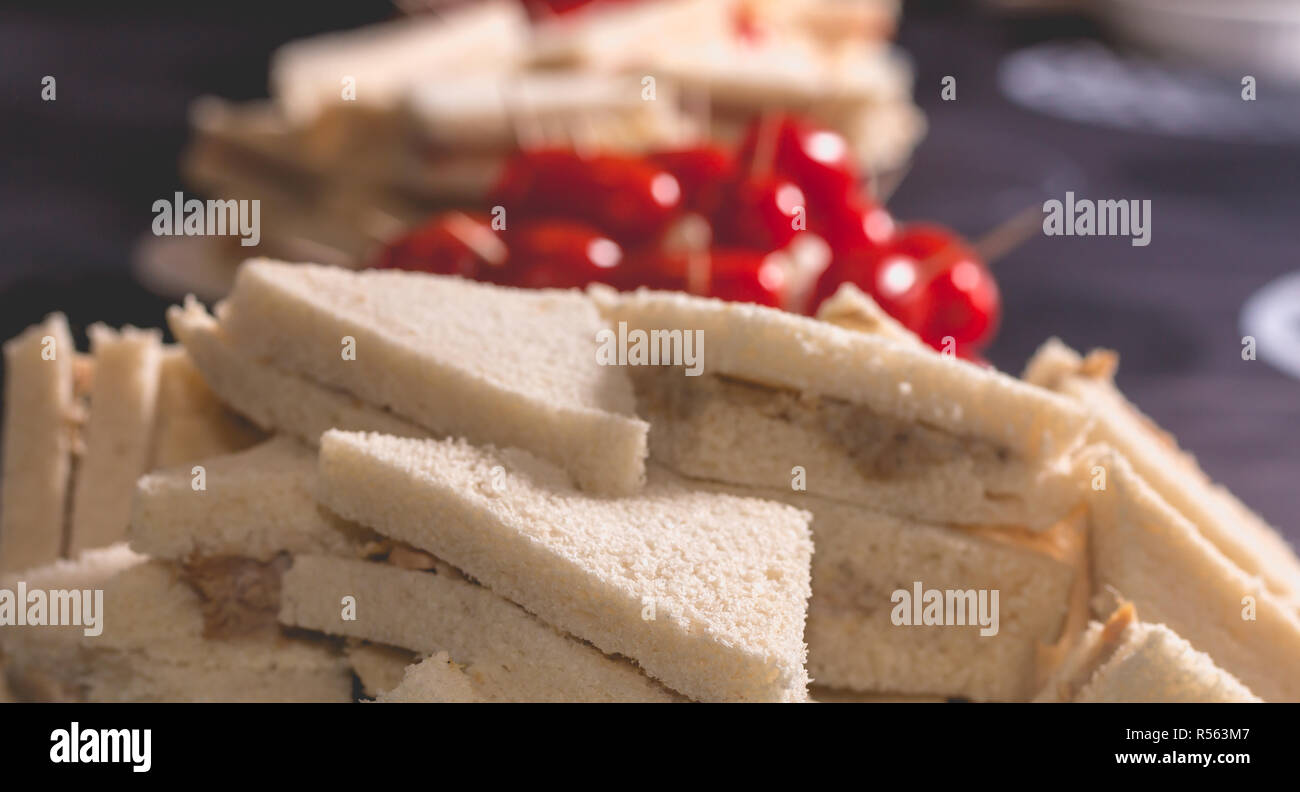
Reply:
x=454, y=243
x=749, y=276
x=857, y=225
x=957, y=296
x=962, y=302
x=898, y=284
x=960, y=298
x=759, y=213
x=817, y=159
x=627, y=197
x=701, y=171
x=973, y=355
x=930, y=242
x=728, y=273
x=929, y=279
x=653, y=268
x=895, y=280
x=561, y=255
x=631, y=198
x=519, y=180
x=852, y=266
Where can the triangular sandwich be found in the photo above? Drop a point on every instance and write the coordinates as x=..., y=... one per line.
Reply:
x=505, y=366
x=706, y=592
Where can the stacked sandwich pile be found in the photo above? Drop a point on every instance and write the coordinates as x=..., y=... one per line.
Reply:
x=368, y=132
x=476, y=493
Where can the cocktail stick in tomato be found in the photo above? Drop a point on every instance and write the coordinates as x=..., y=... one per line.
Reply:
x=453, y=243
x=761, y=213
x=815, y=158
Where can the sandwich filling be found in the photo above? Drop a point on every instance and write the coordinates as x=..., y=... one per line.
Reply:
x=724, y=429
x=241, y=596
x=1100, y=647
x=881, y=447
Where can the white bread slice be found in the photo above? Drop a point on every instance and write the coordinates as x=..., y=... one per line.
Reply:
x=1173, y=473
x=380, y=668
x=119, y=434
x=863, y=556
x=629, y=37
x=457, y=113
x=39, y=417
x=269, y=397
x=385, y=60
x=191, y=423
x=152, y=646
x=707, y=592
x=720, y=429
x=438, y=679
x=254, y=504
x=779, y=349
x=439, y=610
x=1152, y=556
x=853, y=309
x=514, y=367
x=1126, y=660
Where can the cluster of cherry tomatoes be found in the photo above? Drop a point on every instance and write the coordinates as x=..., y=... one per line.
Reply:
x=562, y=220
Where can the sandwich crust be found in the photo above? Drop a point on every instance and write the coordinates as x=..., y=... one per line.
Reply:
x=191, y=422
x=1151, y=555
x=1171, y=472
x=39, y=421
x=775, y=348
x=1126, y=660
x=119, y=434
x=273, y=399
x=513, y=367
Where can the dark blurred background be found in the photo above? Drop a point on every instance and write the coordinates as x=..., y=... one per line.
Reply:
x=78, y=177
